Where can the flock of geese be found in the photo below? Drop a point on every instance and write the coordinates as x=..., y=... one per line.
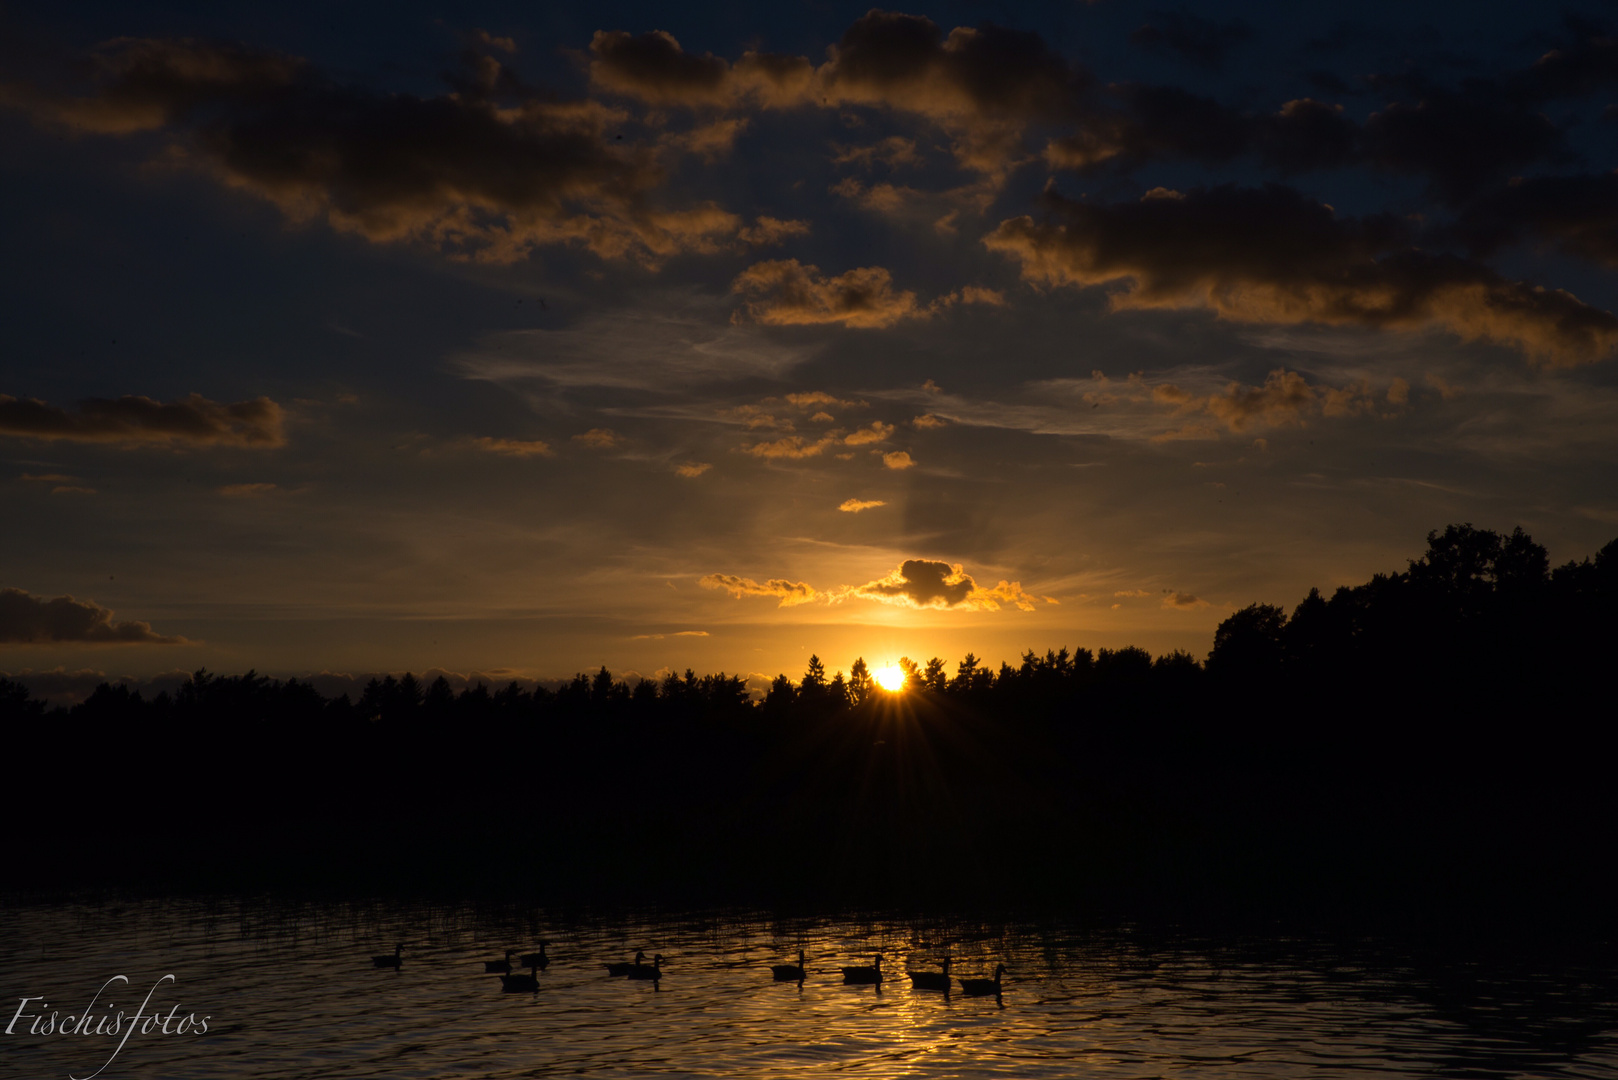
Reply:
x=514, y=982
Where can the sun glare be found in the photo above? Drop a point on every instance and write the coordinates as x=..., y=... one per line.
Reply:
x=891, y=677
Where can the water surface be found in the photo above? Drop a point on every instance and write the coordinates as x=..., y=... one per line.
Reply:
x=290, y=992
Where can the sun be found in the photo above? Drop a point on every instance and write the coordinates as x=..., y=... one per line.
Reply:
x=891, y=677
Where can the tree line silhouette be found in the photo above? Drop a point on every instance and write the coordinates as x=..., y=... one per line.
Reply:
x=1440, y=736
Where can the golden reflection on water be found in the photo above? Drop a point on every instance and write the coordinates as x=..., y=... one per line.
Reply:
x=293, y=994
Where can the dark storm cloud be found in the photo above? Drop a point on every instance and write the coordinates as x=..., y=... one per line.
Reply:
x=144, y=84
x=1270, y=255
x=1166, y=123
x=1461, y=140
x=654, y=68
x=1576, y=214
x=29, y=619
x=983, y=84
x=1581, y=67
x=464, y=172
x=988, y=73
x=1195, y=40
x=194, y=421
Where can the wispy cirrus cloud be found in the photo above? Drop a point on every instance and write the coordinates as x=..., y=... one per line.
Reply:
x=517, y=448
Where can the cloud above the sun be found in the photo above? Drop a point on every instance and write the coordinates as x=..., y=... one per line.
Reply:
x=914, y=583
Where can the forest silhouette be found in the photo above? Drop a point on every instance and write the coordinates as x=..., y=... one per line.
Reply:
x=1437, y=740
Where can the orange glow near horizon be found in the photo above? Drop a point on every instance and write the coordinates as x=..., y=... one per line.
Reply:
x=891, y=678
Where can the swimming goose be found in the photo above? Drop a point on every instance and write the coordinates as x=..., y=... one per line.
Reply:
x=984, y=987
x=864, y=976
x=521, y=984
x=536, y=959
x=789, y=972
x=652, y=973
x=389, y=961
x=931, y=980
x=625, y=969
x=502, y=966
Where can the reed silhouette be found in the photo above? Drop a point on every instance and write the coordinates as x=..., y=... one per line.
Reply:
x=1434, y=738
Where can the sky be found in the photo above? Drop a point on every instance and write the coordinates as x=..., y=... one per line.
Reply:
x=516, y=340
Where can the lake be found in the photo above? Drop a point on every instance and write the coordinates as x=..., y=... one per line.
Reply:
x=289, y=991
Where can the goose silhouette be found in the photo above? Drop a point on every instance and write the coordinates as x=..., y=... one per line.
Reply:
x=650, y=973
x=789, y=972
x=984, y=987
x=932, y=980
x=389, y=961
x=864, y=976
x=536, y=959
x=521, y=984
x=502, y=966
x=624, y=969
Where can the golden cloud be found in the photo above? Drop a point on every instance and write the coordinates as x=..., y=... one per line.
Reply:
x=599, y=438
x=915, y=583
x=854, y=506
x=877, y=432
x=928, y=583
x=791, y=447
x=520, y=448
x=768, y=232
x=898, y=459
x=816, y=397
x=693, y=468
x=790, y=593
x=1269, y=255
x=784, y=292
x=1284, y=400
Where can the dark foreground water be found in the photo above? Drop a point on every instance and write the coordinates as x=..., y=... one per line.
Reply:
x=290, y=992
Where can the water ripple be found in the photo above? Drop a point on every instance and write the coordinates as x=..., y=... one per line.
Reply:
x=292, y=995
